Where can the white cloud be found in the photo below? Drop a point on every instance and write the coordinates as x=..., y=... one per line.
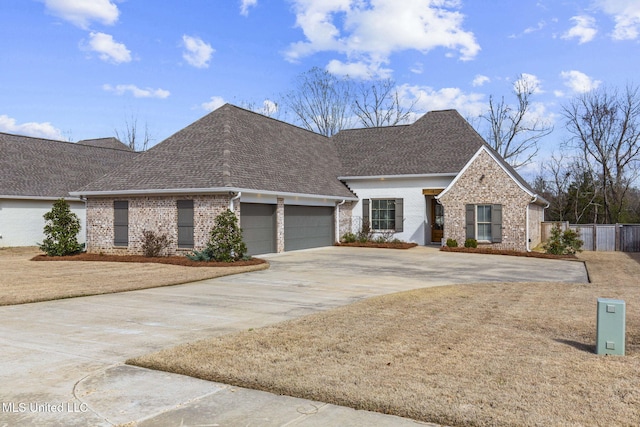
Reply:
x=626, y=14
x=584, y=29
x=137, y=92
x=214, y=103
x=370, y=32
x=39, y=130
x=245, y=5
x=82, y=12
x=108, y=49
x=480, y=80
x=529, y=82
x=578, y=82
x=429, y=99
x=358, y=70
x=197, y=53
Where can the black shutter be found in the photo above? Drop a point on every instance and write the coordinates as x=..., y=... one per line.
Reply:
x=496, y=223
x=121, y=223
x=399, y=215
x=185, y=223
x=365, y=212
x=470, y=221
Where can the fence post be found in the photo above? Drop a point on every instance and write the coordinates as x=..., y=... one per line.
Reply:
x=618, y=242
x=594, y=231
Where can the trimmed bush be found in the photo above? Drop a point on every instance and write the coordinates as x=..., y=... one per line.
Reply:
x=471, y=243
x=349, y=238
x=61, y=230
x=452, y=243
x=154, y=244
x=562, y=242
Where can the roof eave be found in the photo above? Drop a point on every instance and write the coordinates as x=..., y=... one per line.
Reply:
x=399, y=176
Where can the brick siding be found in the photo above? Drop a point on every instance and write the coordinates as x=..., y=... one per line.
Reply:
x=158, y=214
x=497, y=187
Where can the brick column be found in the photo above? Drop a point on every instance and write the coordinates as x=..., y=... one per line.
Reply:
x=280, y=225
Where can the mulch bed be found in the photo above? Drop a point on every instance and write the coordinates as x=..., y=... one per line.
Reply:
x=491, y=251
x=390, y=245
x=173, y=260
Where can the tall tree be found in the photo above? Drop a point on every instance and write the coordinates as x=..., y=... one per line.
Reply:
x=605, y=127
x=320, y=101
x=377, y=103
x=131, y=136
x=514, y=131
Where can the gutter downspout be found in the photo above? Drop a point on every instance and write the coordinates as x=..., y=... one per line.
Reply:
x=236, y=197
x=535, y=197
x=337, y=236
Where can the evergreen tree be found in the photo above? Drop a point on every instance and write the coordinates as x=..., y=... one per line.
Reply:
x=61, y=230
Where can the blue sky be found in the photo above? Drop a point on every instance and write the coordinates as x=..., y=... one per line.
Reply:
x=78, y=69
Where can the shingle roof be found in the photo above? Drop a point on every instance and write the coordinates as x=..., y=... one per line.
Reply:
x=439, y=142
x=113, y=143
x=34, y=167
x=233, y=148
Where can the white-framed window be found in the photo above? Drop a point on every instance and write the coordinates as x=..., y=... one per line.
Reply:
x=484, y=222
x=383, y=214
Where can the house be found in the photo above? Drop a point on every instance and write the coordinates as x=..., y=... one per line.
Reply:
x=294, y=189
x=35, y=172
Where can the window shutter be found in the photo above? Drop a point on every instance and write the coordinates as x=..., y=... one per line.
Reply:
x=365, y=212
x=185, y=223
x=121, y=223
x=470, y=221
x=496, y=223
x=399, y=215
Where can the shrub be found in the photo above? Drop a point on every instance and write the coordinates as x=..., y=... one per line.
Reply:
x=154, y=244
x=199, y=256
x=471, y=243
x=365, y=234
x=562, y=242
x=225, y=243
x=452, y=243
x=61, y=230
x=349, y=238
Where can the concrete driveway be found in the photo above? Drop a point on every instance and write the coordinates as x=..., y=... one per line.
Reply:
x=62, y=361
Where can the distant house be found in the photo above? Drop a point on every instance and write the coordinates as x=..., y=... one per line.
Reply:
x=294, y=189
x=35, y=172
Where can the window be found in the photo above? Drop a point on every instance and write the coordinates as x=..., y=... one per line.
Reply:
x=383, y=214
x=484, y=223
x=121, y=223
x=185, y=223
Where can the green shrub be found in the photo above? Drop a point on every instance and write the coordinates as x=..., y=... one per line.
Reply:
x=471, y=243
x=562, y=242
x=199, y=256
x=225, y=243
x=452, y=243
x=61, y=230
x=154, y=244
x=349, y=237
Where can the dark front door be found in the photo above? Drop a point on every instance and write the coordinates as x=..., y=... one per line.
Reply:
x=437, y=221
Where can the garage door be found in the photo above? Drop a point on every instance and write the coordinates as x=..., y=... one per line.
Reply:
x=258, y=223
x=307, y=227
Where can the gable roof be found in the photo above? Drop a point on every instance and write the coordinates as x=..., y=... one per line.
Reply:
x=112, y=142
x=232, y=149
x=44, y=168
x=440, y=142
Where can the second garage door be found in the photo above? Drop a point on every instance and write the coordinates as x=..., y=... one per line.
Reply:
x=307, y=227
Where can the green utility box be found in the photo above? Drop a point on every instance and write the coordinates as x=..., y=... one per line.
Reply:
x=610, y=333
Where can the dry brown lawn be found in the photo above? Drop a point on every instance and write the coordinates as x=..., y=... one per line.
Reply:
x=464, y=355
x=23, y=280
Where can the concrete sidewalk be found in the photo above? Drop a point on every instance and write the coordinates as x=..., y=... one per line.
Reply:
x=62, y=361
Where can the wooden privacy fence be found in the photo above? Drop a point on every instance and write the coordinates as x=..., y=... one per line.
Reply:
x=601, y=237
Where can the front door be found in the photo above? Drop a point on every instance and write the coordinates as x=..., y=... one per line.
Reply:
x=437, y=221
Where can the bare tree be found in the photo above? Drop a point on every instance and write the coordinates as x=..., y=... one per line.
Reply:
x=605, y=127
x=377, y=103
x=514, y=131
x=131, y=137
x=320, y=101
